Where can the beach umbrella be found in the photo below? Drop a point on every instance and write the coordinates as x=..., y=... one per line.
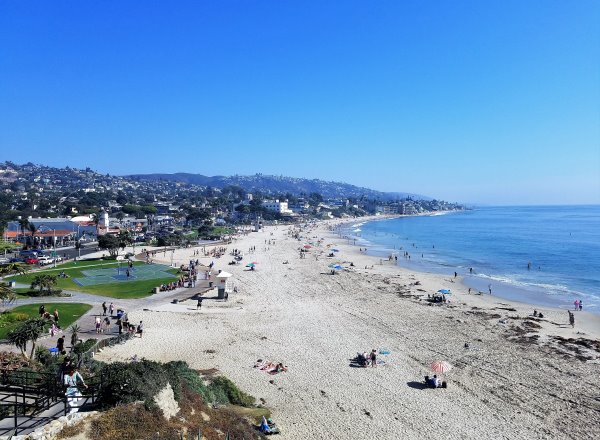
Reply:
x=254, y=262
x=336, y=266
x=335, y=250
x=440, y=366
x=307, y=246
x=445, y=291
x=250, y=265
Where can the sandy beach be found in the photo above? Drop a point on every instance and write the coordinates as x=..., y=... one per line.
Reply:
x=520, y=377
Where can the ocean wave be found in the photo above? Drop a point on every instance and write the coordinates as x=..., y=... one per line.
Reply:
x=549, y=288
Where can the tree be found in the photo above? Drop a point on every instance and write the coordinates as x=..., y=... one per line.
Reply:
x=96, y=220
x=11, y=268
x=23, y=224
x=7, y=294
x=29, y=331
x=44, y=282
x=109, y=242
x=124, y=239
x=33, y=229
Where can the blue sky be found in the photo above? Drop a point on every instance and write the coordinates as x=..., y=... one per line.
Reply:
x=484, y=102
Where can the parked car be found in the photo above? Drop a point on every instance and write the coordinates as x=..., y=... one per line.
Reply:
x=58, y=258
x=31, y=260
x=45, y=260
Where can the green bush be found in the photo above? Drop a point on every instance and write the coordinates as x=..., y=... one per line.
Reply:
x=131, y=382
x=7, y=318
x=37, y=293
x=221, y=385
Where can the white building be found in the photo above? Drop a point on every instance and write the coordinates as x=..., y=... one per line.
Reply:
x=277, y=206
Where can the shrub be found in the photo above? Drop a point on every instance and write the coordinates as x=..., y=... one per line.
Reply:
x=38, y=293
x=221, y=386
x=7, y=318
x=132, y=382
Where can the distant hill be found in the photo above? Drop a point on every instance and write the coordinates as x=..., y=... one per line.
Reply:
x=278, y=184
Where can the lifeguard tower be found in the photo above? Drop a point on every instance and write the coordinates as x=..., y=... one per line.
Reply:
x=224, y=284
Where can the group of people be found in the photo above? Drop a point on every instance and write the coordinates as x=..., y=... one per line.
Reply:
x=46, y=315
x=578, y=304
x=365, y=359
x=171, y=286
x=434, y=382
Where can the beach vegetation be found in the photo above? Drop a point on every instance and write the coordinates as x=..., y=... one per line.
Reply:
x=27, y=332
x=44, y=283
x=127, y=395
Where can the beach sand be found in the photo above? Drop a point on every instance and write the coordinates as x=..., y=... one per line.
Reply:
x=515, y=381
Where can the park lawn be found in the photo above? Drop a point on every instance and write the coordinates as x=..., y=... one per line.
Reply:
x=123, y=290
x=68, y=313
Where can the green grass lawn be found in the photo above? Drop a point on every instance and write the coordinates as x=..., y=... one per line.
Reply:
x=68, y=313
x=122, y=290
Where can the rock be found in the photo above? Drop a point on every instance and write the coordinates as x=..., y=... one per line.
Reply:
x=165, y=400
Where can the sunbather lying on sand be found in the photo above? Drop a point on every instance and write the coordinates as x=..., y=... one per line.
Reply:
x=270, y=367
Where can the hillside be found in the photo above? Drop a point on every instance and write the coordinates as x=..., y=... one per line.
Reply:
x=277, y=184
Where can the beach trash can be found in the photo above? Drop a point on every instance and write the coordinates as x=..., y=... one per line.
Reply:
x=156, y=289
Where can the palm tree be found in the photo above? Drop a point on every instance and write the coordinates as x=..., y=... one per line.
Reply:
x=44, y=282
x=30, y=330
x=96, y=219
x=75, y=329
x=7, y=294
x=10, y=268
x=23, y=224
x=33, y=229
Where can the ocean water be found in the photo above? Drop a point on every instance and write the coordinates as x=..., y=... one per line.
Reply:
x=562, y=243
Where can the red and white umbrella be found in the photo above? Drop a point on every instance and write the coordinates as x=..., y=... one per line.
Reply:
x=440, y=366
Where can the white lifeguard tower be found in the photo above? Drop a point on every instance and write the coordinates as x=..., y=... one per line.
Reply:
x=224, y=284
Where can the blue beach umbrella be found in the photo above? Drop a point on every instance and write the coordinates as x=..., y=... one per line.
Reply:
x=335, y=250
x=445, y=291
x=250, y=265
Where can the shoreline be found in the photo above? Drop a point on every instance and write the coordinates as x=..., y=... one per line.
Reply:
x=524, y=293
x=515, y=376
x=590, y=321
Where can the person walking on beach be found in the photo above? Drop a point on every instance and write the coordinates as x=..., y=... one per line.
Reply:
x=98, y=324
x=580, y=305
x=373, y=358
x=140, y=329
x=576, y=304
x=490, y=288
x=455, y=274
x=111, y=309
x=199, y=304
x=104, y=308
x=571, y=318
